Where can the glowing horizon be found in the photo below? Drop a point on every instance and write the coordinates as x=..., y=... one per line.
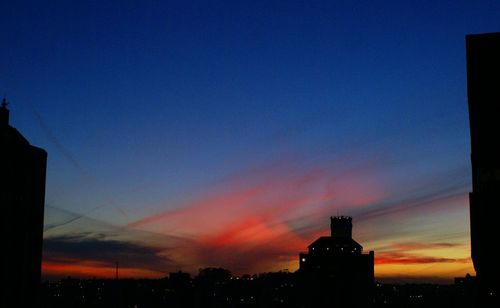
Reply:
x=260, y=220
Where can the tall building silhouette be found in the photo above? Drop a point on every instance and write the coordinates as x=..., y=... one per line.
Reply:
x=22, y=187
x=335, y=269
x=483, y=90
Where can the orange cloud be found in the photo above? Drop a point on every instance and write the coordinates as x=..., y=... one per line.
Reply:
x=90, y=269
x=422, y=246
x=406, y=258
x=410, y=261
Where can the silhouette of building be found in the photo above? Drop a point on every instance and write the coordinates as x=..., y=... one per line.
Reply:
x=483, y=90
x=22, y=186
x=335, y=270
x=180, y=278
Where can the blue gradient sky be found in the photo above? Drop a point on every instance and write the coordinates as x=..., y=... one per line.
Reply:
x=153, y=107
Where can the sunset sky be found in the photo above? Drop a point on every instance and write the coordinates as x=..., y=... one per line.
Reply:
x=187, y=134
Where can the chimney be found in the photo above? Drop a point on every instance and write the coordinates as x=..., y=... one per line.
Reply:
x=4, y=114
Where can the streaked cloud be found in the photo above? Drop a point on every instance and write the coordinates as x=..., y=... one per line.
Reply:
x=74, y=253
x=408, y=258
x=260, y=219
x=422, y=246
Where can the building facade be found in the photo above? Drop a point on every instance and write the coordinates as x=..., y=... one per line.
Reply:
x=483, y=91
x=22, y=197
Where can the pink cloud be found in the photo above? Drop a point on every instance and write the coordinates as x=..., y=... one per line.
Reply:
x=262, y=219
x=249, y=220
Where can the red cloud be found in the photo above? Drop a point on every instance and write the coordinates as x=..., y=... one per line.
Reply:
x=249, y=222
x=270, y=195
x=406, y=258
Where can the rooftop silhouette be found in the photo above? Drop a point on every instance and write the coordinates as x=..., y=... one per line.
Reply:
x=335, y=271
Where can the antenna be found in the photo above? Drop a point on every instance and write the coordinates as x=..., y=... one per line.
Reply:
x=116, y=272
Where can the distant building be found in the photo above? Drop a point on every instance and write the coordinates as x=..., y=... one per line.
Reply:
x=466, y=290
x=335, y=270
x=22, y=195
x=180, y=279
x=483, y=90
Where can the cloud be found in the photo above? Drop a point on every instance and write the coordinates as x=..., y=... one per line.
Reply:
x=69, y=217
x=279, y=193
x=248, y=222
x=422, y=246
x=434, y=197
x=97, y=251
x=261, y=218
x=70, y=247
x=407, y=258
x=60, y=147
x=250, y=246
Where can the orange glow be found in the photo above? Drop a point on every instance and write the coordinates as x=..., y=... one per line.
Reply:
x=94, y=269
x=443, y=272
x=403, y=258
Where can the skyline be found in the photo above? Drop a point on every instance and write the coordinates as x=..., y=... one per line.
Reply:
x=184, y=135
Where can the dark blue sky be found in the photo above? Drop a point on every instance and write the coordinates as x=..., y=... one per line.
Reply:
x=145, y=106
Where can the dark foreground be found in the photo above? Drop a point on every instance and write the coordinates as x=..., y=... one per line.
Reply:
x=218, y=289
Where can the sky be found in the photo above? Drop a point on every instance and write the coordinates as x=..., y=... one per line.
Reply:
x=190, y=134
